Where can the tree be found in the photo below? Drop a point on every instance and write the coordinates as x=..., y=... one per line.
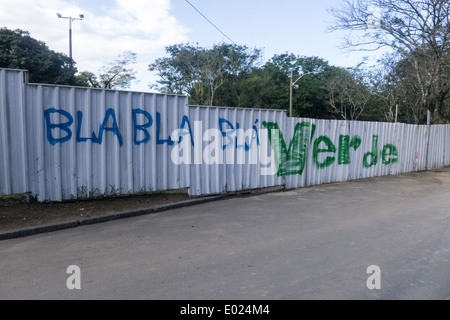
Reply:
x=418, y=30
x=202, y=73
x=348, y=93
x=395, y=85
x=385, y=96
x=18, y=50
x=117, y=75
x=310, y=99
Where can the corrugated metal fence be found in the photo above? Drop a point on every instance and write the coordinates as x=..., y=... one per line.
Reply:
x=61, y=143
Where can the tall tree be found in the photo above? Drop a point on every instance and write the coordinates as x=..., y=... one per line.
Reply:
x=348, y=93
x=394, y=85
x=18, y=50
x=201, y=72
x=418, y=30
x=310, y=99
x=117, y=75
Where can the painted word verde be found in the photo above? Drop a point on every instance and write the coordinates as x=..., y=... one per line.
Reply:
x=292, y=161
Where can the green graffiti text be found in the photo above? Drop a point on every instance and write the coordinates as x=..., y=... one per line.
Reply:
x=293, y=161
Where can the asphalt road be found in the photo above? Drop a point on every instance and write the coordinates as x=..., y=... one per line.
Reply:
x=314, y=243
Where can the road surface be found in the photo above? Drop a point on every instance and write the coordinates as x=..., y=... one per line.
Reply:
x=314, y=243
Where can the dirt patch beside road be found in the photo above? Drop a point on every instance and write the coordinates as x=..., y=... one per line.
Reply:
x=16, y=213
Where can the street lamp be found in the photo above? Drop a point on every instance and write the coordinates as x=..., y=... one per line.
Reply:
x=295, y=86
x=81, y=17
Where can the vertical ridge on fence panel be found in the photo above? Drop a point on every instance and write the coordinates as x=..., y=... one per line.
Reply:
x=4, y=161
x=431, y=151
x=151, y=109
x=305, y=174
x=21, y=170
x=183, y=113
x=447, y=145
x=246, y=123
x=443, y=146
x=356, y=131
x=204, y=169
x=416, y=145
x=6, y=80
x=404, y=143
x=216, y=174
x=253, y=150
x=240, y=170
x=342, y=171
x=61, y=158
x=13, y=130
x=137, y=154
x=230, y=149
x=162, y=135
x=53, y=165
x=146, y=154
x=71, y=183
x=195, y=175
x=265, y=149
x=290, y=180
x=309, y=178
x=238, y=117
x=173, y=124
x=390, y=139
x=422, y=145
x=139, y=166
x=368, y=170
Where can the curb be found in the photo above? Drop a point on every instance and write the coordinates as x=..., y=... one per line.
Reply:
x=31, y=231
x=25, y=232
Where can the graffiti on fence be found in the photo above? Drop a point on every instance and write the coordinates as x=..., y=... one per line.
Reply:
x=292, y=161
x=57, y=119
x=288, y=161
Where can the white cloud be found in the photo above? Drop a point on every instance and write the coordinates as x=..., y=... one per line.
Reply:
x=141, y=26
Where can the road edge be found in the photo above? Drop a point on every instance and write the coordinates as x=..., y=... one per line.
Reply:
x=59, y=226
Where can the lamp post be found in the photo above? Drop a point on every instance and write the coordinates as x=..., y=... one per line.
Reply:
x=295, y=86
x=81, y=17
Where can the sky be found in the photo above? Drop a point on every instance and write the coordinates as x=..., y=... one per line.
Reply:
x=146, y=27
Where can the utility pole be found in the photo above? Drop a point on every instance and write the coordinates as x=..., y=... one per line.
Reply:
x=81, y=17
x=291, y=94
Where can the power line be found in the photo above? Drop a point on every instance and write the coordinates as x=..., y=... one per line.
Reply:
x=210, y=22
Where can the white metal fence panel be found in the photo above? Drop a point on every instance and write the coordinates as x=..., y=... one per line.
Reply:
x=100, y=142
x=64, y=142
x=240, y=138
x=447, y=146
x=438, y=146
x=13, y=146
